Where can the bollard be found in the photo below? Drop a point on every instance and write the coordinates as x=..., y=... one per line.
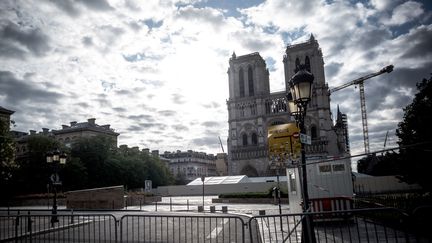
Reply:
x=140, y=204
x=212, y=209
x=200, y=208
x=170, y=204
x=261, y=212
x=187, y=205
x=224, y=209
x=156, y=206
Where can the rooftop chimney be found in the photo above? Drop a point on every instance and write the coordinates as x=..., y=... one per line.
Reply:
x=91, y=121
x=155, y=153
x=73, y=123
x=45, y=130
x=32, y=132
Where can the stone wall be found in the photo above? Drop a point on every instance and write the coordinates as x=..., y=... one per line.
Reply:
x=96, y=198
x=196, y=190
x=250, y=200
x=136, y=200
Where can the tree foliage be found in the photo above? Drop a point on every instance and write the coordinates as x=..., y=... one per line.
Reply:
x=7, y=157
x=33, y=173
x=415, y=133
x=412, y=163
x=91, y=162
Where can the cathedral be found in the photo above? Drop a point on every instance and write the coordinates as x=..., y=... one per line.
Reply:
x=252, y=108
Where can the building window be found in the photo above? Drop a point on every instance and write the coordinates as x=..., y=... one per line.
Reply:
x=297, y=65
x=254, y=139
x=338, y=167
x=307, y=63
x=250, y=82
x=241, y=83
x=253, y=109
x=313, y=132
x=245, y=140
x=324, y=168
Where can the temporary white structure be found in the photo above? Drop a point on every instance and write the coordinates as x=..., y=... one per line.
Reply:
x=330, y=185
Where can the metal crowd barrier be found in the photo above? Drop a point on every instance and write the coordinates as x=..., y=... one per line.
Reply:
x=67, y=228
x=358, y=225
x=37, y=226
x=182, y=228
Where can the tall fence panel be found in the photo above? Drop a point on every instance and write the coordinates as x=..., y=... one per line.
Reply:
x=363, y=225
x=181, y=228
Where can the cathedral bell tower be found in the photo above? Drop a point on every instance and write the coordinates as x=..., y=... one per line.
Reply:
x=248, y=89
x=318, y=121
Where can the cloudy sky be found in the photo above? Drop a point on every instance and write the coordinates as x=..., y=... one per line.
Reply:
x=156, y=70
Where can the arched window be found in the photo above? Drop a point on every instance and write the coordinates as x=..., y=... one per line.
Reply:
x=244, y=138
x=250, y=82
x=254, y=139
x=297, y=65
x=314, y=132
x=307, y=63
x=241, y=83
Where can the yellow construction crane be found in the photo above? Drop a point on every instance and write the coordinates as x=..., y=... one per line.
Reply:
x=360, y=83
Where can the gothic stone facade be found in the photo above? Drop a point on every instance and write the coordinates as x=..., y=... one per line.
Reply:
x=252, y=108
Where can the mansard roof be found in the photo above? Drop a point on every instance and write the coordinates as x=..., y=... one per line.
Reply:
x=6, y=111
x=86, y=126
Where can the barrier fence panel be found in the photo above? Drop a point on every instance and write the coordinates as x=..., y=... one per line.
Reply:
x=65, y=228
x=181, y=228
x=362, y=225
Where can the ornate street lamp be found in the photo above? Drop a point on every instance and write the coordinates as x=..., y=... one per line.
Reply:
x=55, y=158
x=292, y=105
x=300, y=89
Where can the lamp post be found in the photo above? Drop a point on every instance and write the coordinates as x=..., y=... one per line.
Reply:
x=55, y=158
x=203, y=179
x=300, y=91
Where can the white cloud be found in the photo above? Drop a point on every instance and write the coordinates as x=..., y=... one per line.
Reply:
x=404, y=13
x=152, y=68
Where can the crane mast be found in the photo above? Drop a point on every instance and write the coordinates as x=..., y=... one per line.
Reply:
x=360, y=83
x=220, y=141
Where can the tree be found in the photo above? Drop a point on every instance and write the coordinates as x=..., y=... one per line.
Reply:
x=74, y=174
x=415, y=133
x=33, y=174
x=107, y=165
x=7, y=157
x=380, y=165
x=94, y=152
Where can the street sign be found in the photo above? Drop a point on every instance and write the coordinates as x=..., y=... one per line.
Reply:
x=148, y=185
x=306, y=139
x=55, y=178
